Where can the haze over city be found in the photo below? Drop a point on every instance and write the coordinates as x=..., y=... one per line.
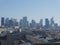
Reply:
x=33, y=9
x=29, y=22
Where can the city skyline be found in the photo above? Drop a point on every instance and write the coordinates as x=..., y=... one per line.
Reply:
x=41, y=21
x=33, y=9
x=24, y=23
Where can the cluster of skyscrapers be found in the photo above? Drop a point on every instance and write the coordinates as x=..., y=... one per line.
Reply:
x=24, y=23
x=8, y=22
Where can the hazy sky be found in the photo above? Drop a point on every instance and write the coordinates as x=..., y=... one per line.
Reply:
x=33, y=9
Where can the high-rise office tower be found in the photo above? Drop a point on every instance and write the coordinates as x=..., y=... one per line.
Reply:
x=21, y=23
x=24, y=23
x=52, y=22
x=33, y=24
x=15, y=22
x=25, y=18
x=11, y=23
x=7, y=22
x=46, y=23
x=41, y=23
x=2, y=21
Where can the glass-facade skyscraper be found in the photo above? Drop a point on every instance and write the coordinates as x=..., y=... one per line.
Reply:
x=7, y=22
x=24, y=23
x=46, y=23
x=33, y=24
x=52, y=21
x=41, y=23
x=2, y=21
